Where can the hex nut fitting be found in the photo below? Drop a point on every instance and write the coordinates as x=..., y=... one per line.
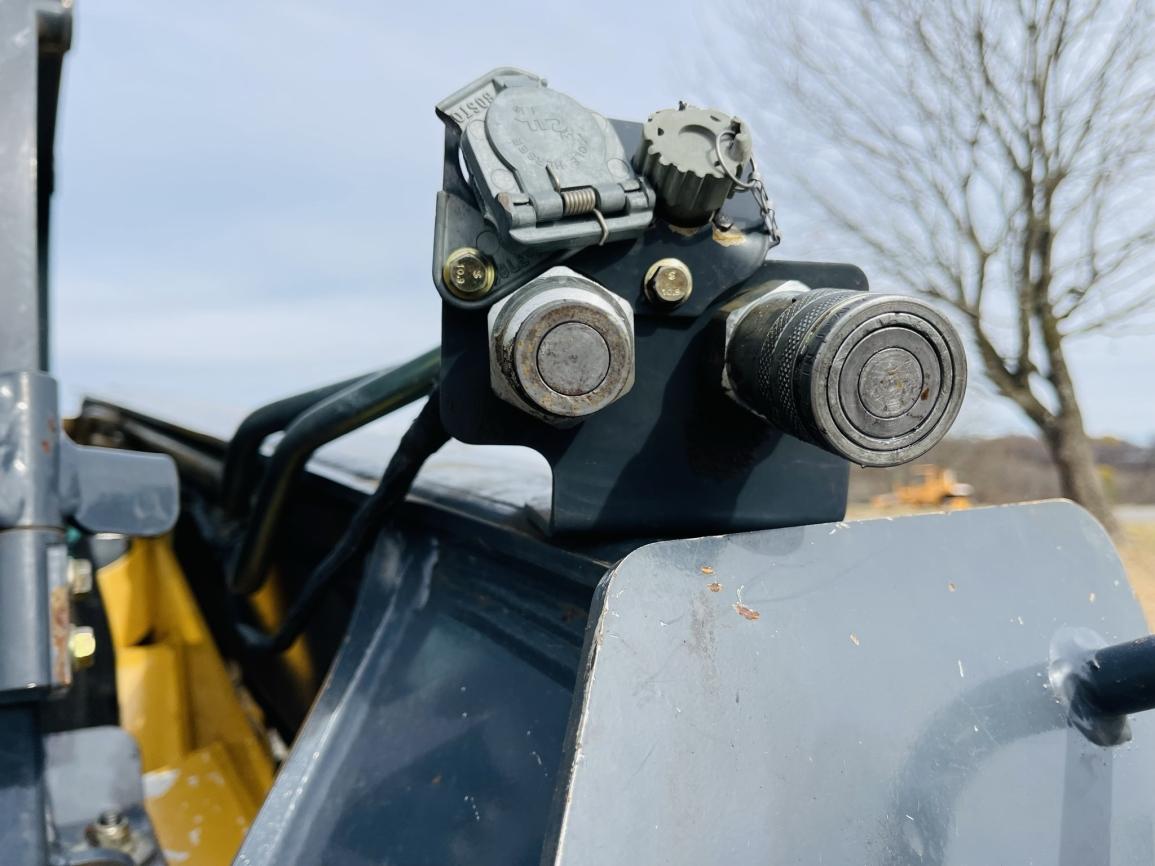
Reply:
x=561, y=347
x=468, y=273
x=111, y=830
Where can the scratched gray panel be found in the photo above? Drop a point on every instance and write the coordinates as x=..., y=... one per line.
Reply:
x=870, y=692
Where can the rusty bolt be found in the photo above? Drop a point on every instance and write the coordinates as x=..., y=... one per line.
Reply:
x=82, y=646
x=668, y=282
x=80, y=576
x=468, y=273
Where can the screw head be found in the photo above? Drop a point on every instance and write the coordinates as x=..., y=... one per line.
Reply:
x=468, y=273
x=668, y=282
x=82, y=646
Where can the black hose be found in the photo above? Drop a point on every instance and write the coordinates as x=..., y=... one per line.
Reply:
x=242, y=458
x=1119, y=680
x=347, y=410
x=425, y=435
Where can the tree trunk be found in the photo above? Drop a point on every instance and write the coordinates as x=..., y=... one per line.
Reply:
x=1064, y=432
x=1079, y=478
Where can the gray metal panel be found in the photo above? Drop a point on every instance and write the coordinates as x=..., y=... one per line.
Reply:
x=90, y=770
x=871, y=692
x=19, y=274
x=436, y=737
x=22, y=839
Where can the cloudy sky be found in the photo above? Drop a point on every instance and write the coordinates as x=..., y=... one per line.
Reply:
x=245, y=190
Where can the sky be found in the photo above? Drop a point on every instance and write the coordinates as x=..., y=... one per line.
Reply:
x=245, y=191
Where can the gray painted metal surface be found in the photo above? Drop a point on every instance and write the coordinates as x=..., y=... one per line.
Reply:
x=29, y=29
x=90, y=771
x=437, y=735
x=22, y=801
x=45, y=480
x=870, y=692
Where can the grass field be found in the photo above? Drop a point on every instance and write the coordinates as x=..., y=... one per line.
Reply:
x=1136, y=548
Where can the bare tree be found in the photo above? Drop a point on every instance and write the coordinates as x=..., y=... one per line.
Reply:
x=996, y=155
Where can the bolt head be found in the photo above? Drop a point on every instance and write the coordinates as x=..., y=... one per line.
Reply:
x=561, y=347
x=723, y=222
x=111, y=830
x=82, y=645
x=468, y=273
x=668, y=282
x=80, y=576
x=110, y=818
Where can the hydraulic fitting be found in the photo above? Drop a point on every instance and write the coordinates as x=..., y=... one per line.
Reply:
x=561, y=346
x=877, y=379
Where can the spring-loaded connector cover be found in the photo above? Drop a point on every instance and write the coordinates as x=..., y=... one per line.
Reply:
x=548, y=172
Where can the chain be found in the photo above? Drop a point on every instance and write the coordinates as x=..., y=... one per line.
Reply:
x=754, y=186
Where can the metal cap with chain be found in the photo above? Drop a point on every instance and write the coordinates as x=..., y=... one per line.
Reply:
x=695, y=159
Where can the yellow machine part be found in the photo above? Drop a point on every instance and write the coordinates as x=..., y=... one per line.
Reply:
x=203, y=749
x=936, y=488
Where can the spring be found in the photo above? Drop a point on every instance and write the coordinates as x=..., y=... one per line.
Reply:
x=578, y=201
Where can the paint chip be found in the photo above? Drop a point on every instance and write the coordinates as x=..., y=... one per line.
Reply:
x=950, y=586
x=1091, y=598
x=744, y=611
x=747, y=612
x=854, y=639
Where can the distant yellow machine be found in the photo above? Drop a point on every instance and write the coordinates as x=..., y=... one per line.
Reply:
x=936, y=488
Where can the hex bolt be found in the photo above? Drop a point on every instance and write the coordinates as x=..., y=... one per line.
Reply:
x=668, y=283
x=82, y=646
x=111, y=830
x=468, y=273
x=80, y=576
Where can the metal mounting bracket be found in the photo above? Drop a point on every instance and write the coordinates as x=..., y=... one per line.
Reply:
x=46, y=480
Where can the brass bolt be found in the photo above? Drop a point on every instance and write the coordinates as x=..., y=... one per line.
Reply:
x=668, y=282
x=80, y=576
x=82, y=646
x=468, y=273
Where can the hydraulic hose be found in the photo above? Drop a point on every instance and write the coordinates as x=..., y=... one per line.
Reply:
x=425, y=435
x=347, y=410
x=242, y=459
